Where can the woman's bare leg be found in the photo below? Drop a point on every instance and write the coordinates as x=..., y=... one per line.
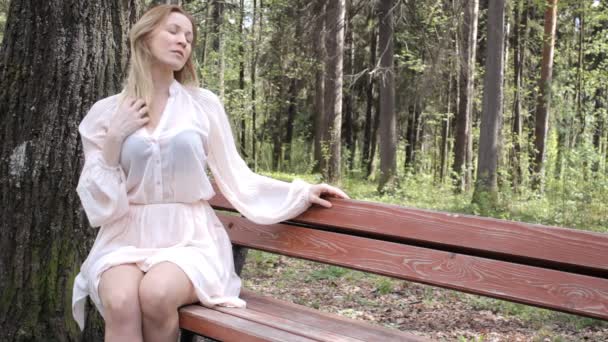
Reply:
x=164, y=288
x=119, y=293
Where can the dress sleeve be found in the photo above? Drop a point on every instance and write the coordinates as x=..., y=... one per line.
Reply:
x=261, y=199
x=101, y=188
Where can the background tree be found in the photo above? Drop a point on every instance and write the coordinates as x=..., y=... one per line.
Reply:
x=544, y=94
x=486, y=187
x=333, y=87
x=386, y=78
x=55, y=64
x=463, y=138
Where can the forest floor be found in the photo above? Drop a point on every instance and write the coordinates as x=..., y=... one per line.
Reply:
x=426, y=311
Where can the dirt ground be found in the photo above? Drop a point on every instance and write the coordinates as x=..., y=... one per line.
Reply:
x=435, y=313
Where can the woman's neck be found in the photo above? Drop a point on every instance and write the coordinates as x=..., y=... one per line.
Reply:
x=162, y=79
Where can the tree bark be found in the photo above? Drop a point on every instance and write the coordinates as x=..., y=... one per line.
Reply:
x=519, y=57
x=367, y=154
x=388, y=120
x=319, y=101
x=349, y=89
x=55, y=64
x=254, y=62
x=294, y=84
x=463, y=121
x=333, y=87
x=412, y=134
x=489, y=142
x=243, y=139
x=544, y=97
x=218, y=42
x=580, y=89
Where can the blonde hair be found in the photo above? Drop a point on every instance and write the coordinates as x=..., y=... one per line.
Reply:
x=139, y=81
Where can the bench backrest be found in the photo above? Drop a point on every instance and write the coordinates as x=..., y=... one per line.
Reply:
x=550, y=267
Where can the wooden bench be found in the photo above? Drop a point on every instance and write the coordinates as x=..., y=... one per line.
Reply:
x=555, y=268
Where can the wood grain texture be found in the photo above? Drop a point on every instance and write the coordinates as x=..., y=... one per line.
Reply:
x=320, y=320
x=225, y=327
x=549, y=247
x=562, y=291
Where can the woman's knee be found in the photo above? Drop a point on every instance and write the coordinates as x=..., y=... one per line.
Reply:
x=121, y=305
x=155, y=299
x=118, y=291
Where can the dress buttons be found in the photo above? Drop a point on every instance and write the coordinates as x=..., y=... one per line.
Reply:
x=157, y=183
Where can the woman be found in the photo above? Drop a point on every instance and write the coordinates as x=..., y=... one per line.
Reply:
x=160, y=245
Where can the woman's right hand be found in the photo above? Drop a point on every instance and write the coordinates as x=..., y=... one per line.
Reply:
x=129, y=117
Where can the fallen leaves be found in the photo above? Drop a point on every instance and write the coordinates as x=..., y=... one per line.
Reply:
x=427, y=311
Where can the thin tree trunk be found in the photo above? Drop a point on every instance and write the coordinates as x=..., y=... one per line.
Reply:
x=255, y=42
x=202, y=49
x=489, y=143
x=291, y=116
x=388, y=120
x=294, y=86
x=319, y=102
x=333, y=87
x=598, y=130
x=413, y=125
x=218, y=42
x=463, y=121
x=44, y=236
x=544, y=97
x=243, y=141
x=371, y=166
x=521, y=26
x=580, y=89
x=367, y=155
x=349, y=89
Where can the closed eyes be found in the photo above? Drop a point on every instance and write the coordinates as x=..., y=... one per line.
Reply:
x=175, y=29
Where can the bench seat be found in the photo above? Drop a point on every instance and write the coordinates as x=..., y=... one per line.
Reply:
x=270, y=319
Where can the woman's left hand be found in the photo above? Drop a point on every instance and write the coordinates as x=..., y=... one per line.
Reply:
x=324, y=189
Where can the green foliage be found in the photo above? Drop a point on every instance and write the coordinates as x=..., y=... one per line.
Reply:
x=328, y=273
x=532, y=315
x=384, y=285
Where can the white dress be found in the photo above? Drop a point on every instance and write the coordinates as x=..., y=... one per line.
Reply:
x=153, y=206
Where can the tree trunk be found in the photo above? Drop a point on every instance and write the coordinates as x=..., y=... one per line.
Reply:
x=333, y=87
x=412, y=134
x=242, y=141
x=598, y=130
x=291, y=116
x=519, y=55
x=367, y=154
x=371, y=166
x=463, y=121
x=349, y=88
x=489, y=142
x=388, y=120
x=255, y=42
x=544, y=97
x=580, y=89
x=294, y=85
x=44, y=236
x=218, y=42
x=319, y=102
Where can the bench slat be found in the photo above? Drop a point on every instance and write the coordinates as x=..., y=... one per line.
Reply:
x=315, y=319
x=226, y=327
x=558, y=248
x=573, y=293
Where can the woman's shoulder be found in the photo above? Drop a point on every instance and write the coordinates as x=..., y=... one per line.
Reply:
x=105, y=104
x=203, y=95
x=99, y=114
